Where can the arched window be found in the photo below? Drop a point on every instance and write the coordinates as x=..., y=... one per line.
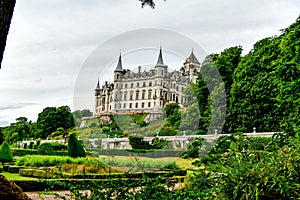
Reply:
x=137, y=93
x=149, y=94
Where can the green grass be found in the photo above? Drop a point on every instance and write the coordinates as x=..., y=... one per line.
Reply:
x=16, y=176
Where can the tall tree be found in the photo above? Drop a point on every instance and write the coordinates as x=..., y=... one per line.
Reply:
x=52, y=118
x=1, y=136
x=265, y=90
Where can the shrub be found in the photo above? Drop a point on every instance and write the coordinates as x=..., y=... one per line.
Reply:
x=14, y=169
x=159, y=143
x=47, y=161
x=138, y=143
x=75, y=148
x=5, y=153
x=193, y=150
x=45, y=149
x=167, y=131
x=24, y=152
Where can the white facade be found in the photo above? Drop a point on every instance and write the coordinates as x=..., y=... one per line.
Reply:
x=147, y=91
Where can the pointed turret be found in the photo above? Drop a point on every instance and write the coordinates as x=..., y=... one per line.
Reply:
x=98, y=89
x=160, y=62
x=119, y=66
x=192, y=58
x=98, y=86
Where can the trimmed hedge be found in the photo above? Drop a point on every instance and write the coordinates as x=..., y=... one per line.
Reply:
x=14, y=169
x=24, y=152
x=43, y=174
x=45, y=161
x=137, y=152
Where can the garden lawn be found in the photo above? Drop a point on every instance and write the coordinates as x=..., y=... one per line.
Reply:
x=16, y=176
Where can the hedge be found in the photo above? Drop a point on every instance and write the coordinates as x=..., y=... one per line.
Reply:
x=24, y=152
x=137, y=152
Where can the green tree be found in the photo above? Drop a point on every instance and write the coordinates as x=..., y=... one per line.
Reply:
x=1, y=136
x=265, y=90
x=75, y=148
x=52, y=118
x=5, y=153
x=170, y=108
x=138, y=143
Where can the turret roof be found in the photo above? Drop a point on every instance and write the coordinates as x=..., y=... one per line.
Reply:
x=119, y=66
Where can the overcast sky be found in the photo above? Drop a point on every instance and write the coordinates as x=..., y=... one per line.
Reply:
x=50, y=41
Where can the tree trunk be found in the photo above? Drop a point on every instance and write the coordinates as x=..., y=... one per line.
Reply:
x=6, y=13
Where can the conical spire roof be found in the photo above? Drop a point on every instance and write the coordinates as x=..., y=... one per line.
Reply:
x=119, y=66
x=192, y=58
x=98, y=86
x=160, y=61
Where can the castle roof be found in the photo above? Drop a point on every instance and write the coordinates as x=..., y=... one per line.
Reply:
x=119, y=66
x=160, y=61
x=192, y=58
x=98, y=86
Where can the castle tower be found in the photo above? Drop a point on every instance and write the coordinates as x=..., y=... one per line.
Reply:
x=97, y=94
x=117, y=83
x=119, y=69
x=190, y=68
x=160, y=73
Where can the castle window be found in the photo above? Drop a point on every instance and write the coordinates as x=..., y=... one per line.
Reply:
x=144, y=84
x=131, y=85
x=118, y=76
x=131, y=95
x=136, y=105
x=176, y=87
x=149, y=94
x=124, y=105
x=155, y=82
x=143, y=104
x=137, y=95
x=162, y=72
x=149, y=104
x=137, y=84
x=125, y=96
x=150, y=83
x=130, y=105
x=143, y=94
x=125, y=85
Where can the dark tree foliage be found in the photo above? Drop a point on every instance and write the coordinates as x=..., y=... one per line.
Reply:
x=266, y=87
x=208, y=83
x=75, y=148
x=138, y=143
x=52, y=118
x=170, y=108
x=5, y=153
x=1, y=136
x=6, y=13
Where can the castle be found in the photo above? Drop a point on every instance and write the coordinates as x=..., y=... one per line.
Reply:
x=147, y=91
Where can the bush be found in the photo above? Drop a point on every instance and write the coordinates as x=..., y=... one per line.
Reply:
x=159, y=143
x=139, y=143
x=5, y=153
x=24, y=152
x=75, y=148
x=193, y=150
x=14, y=169
x=47, y=161
x=45, y=149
